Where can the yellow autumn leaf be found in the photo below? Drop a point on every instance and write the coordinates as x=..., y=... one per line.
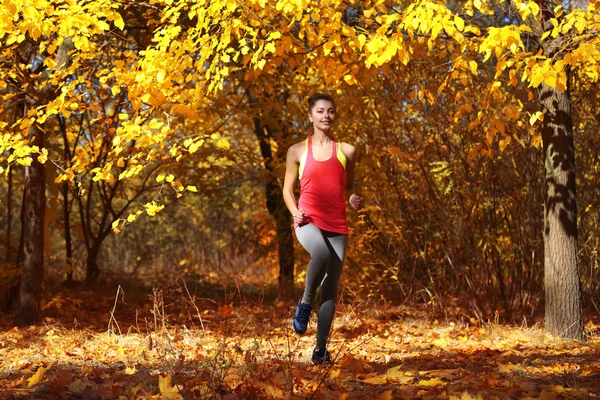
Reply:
x=152, y=208
x=459, y=22
x=194, y=146
x=369, y=12
x=537, y=79
x=223, y=144
x=362, y=39
x=502, y=144
x=37, y=377
x=119, y=23
x=192, y=189
x=473, y=67
x=396, y=374
x=166, y=388
x=535, y=9
x=433, y=382
x=160, y=178
x=335, y=372
x=350, y=79
x=130, y=370
x=538, y=115
x=145, y=98
x=270, y=47
x=25, y=161
x=170, y=178
x=376, y=380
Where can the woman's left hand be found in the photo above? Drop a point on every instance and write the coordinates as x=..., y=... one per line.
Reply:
x=356, y=201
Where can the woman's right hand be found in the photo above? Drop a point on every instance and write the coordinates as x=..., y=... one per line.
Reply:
x=299, y=216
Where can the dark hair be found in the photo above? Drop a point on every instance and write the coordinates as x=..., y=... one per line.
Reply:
x=312, y=100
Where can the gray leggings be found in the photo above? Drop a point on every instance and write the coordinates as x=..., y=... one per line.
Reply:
x=327, y=250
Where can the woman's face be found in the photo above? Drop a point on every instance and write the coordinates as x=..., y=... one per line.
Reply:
x=322, y=115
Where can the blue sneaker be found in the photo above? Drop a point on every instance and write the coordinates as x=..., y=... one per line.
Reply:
x=301, y=317
x=321, y=356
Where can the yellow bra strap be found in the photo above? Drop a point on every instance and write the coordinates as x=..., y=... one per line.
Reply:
x=340, y=155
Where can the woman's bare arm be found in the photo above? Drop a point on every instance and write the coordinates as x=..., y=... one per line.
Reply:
x=292, y=162
x=355, y=200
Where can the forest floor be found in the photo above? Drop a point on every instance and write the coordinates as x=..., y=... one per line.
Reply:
x=112, y=343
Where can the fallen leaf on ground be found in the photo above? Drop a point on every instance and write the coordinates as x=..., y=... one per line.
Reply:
x=273, y=391
x=77, y=386
x=167, y=390
x=38, y=376
x=433, y=382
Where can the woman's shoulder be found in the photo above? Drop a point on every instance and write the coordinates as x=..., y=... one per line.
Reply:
x=297, y=149
x=348, y=149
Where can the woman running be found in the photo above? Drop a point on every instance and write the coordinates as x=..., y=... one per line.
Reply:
x=325, y=168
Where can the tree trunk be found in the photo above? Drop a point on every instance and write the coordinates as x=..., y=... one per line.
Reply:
x=33, y=234
x=564, y=314
x=9, y=214
x=13, y=296
x=563, y=309
x=277, y=209
x=68, y=241
x=93, y=271
x=66, y=213
x=285, y=240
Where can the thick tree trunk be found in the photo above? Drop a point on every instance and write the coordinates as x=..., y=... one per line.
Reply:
x=564, y=315
x=564, y=310
x=33, y=237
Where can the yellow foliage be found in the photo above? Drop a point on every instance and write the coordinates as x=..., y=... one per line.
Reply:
x=152, y=208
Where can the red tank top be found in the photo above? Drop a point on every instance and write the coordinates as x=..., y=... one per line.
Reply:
x=322, y=190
